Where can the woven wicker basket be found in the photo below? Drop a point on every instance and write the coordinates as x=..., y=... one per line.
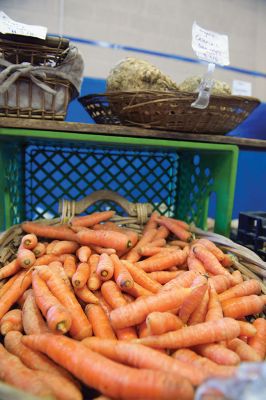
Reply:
x=169, y=111
x=25, y=99
x=247, y=262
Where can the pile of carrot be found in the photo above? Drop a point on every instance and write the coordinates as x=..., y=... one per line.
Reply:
x=147, y=316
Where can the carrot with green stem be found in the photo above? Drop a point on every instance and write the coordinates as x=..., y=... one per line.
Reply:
x=94, y=282
x=58, y=317
x=258, y=341
x=118, y=241
x=33, y=322
x=10, y=269
x=244, y=351
x=81, y=275
x=251, y=286
x=29, y=241
x=122, y=275
x=100, y=322
x=163, y=277
x=70, y=265
x=135, y=313
x=162, y=322
x=203, y=333
x=238, y=307
x=80, y=326
x=124, y=383
x=105, y=267
x=15, y=373
x=161, y=263
x=141, y=277
x=11, y=321
x=58, y=232
x=218, y=354
x=92, y=219
x=139, y=356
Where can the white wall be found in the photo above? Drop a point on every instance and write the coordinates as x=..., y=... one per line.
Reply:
x=157, y=25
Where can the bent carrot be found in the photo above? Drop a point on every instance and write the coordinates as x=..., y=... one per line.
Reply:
x=11, y=321
x=218, y=353
x=238, y=307
x=140, y=384
x=83, y=253
x=212, y=248
x=210, y=262
x=251, y=286
x=39, y=250
x=135, y=313
x=17, y=374
x=10, y=269
x=163, y=277
x=119, y=241
x=81, y=275
x=142, y=278
x=112, y=294
x=29, y=241
x=206, y=332
x=92, y=219
x=105, y=267
x=161, y=263
x=258, y=341
x=33, y=322
x=25, y=258
x=179, y=230
x=70, y=265
x=199, y=314
x=94, y=282
x=122, y=274
x=244, y=351
x=139, y=356
x=100, y=323
x=80, y=326
x=194, y=264
x=86, y=295
x=162, y=322
x=60, y=232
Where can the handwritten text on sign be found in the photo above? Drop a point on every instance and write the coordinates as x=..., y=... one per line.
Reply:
x=210, y=46
x=7, y=25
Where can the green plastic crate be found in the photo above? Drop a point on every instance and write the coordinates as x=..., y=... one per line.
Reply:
x=40, y=167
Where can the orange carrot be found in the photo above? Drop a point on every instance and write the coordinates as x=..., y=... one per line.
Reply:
x=58, y=318
x=218, y=353
x=119, y=241
x=181, y=232
x=78, y=359
x=238, y=307
x=258, y=341
x=155, y=243
x=142, y=278
x=182, y=280
x=215, y=311
x=61, y=388
x=45, y=259
x=252, y=286
x=39, y=250
x=194, y=264
x=206, y=332
x=151, y=223
x=92, y=219
x=162, y=322
x=11, y=321
x=80, y=326
x=212, y=248
x=105, y=267
x=17, y=374
x=210, y=262
x=148, y=251
x=180, y=243
x=33, y=322
x=83, y=253
x=50, y=246
x=111, y=226
x=19, y=285
x=8, y=284
x=81, y=276
x=94, y=282
x=140, y=356
x=162, y=233
x=161, y=263
x=247, y=329
x=65, y=247
x=244, y=351
x=100, y=323
x=25, y=258
x=206, y=366
x=137, y=291
x=135, y=313
x=163, y=277
x=29, y=241
x=221, y=282
x=103, y=303
x=86, y=295
x=10, y=269
x=236, y=277
x=70, y=265
x=59, y=232
x=122, y=275
x=133, y=255
x=199, y=314
x=192, y=301
x=100, y=250
x=228, y=260
x=58, y=268
x=32, y=359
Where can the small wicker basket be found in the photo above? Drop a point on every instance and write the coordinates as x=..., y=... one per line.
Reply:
x=169, y=110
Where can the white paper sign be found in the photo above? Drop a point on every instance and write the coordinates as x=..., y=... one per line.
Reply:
x=7, y=25
x=210, y=46
x=241, y=88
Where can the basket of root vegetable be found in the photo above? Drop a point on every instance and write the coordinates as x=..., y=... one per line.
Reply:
x=102, y=306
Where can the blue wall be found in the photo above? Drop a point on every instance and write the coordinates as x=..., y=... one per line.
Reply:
x=250, y=194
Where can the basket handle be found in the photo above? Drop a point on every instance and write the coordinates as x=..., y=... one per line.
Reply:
x=69, y=208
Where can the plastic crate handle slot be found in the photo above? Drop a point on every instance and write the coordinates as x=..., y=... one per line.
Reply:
x=69, y=208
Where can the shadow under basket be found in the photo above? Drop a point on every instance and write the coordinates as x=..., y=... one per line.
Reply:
x=169, y=110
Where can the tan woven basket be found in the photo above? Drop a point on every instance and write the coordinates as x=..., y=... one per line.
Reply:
x=169, y=110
